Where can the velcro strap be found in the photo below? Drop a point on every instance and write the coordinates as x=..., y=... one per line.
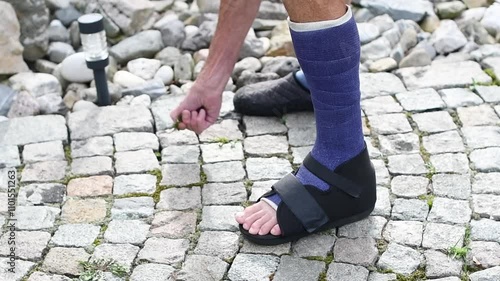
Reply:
x=331, y=177
x=301, y=203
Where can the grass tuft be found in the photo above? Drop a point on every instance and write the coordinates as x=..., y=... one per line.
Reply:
x=418, y=275
x=429, y=198
x=93, y=270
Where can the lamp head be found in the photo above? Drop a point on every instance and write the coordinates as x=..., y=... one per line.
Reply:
x=93, y=37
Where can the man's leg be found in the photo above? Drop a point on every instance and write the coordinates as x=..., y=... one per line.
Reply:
x=327, y=46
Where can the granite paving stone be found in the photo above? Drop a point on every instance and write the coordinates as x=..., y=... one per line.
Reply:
x=250, y=267
x=381, y=171
x=266, y=145
x=180, y=174
x=33, y=129
x=399, y=144
x=180, y=199
x=379, y=84
x=485, y=230
x=223, y=193
x=441, y=265
x=388, y=124
x=487, y=274
x=127, y=232
x=487, y=254
x=219, y=218
x=260, y=188
x=9, y=156
x=29, y=245
x=410, y=210
x=404, y=232
x=136, y=162
x=380, y=105
x=302, y=136
x=173, y=224
x=41, y=152
x=41, y=194
x=359, y=251
x=202, y=268
x=65, y=260
x=343, y=272
x=267, y=168
x=316, y=245
x=300, y=119
x=106, y=121
x=97, y=146
x=277, y=250
x=129, y=184
x=459, y=97
x=84, y=211
x=224, y=171
x=486, y=205
x=75, y=235
x=160, y=107
x=489, y=93
x=373, y=151
x=451, y=186
x=450, y=211
x=292, y=268
x=152, y=271
x=40, y=276
x=44, y=171
x=383, y=204
x=486, y=183
x=91, y=186
x=256, y=125
x=420, y=100
x=370, y=227
x=486, y=160
x=409, y=186
x=132, y=208
x=446, y=142
x=122, y=254
x=186, y=154
x=450, y=163
x=400, y=259
x=222, y=244
x=406, y=164
x=136, y=141
x=497, y=109
x=227, y=129
x=176, y=137
x=22, y=268
x=300, y=153
x=218, y=152
x=164, y=250
x=376, y=276
x=92, y=166
x=440, y=236
x=434, y=122
x=481, y=137
x=480, y=115
x=36, y=217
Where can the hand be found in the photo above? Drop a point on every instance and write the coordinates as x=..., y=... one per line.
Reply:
x=199, y=110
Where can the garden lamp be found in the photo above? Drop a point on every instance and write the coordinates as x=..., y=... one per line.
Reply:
x=95, y=48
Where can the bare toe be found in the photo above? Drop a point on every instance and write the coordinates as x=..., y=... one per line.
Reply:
x=251, y=219
x=276, y=230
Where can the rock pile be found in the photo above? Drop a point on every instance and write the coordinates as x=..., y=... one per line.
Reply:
x=158, y=47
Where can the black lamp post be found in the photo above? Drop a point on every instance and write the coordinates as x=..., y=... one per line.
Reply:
x=95, y=48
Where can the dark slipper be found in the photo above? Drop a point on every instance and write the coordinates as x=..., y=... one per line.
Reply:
x=273, y=98
x=305, y=210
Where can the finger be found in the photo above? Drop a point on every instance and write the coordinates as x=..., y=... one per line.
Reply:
x=202, y=123
x=186, y=117
x=194, y=121
x=174, y=114
x=181, y=126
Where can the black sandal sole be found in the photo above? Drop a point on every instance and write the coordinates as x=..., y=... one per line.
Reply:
x=272, y=240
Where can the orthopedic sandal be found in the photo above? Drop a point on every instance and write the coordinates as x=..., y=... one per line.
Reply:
x=305, y=210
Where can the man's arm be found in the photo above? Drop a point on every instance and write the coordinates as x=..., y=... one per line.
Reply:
x=201, y=107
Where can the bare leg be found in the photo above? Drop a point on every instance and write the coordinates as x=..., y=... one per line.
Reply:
x=260, y=218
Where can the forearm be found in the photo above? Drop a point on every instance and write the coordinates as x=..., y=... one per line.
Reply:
x=235, y=20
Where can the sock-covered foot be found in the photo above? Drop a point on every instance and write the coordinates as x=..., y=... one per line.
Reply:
x=329, y=57
x=275, y=97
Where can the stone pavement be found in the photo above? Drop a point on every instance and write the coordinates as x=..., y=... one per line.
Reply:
x=118, y=183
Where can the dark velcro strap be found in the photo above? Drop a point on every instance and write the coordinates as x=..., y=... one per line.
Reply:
x=301, y=203
x=331, y=177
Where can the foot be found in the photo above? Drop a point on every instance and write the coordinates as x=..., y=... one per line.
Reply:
x=273, y=98
x=259, y=219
